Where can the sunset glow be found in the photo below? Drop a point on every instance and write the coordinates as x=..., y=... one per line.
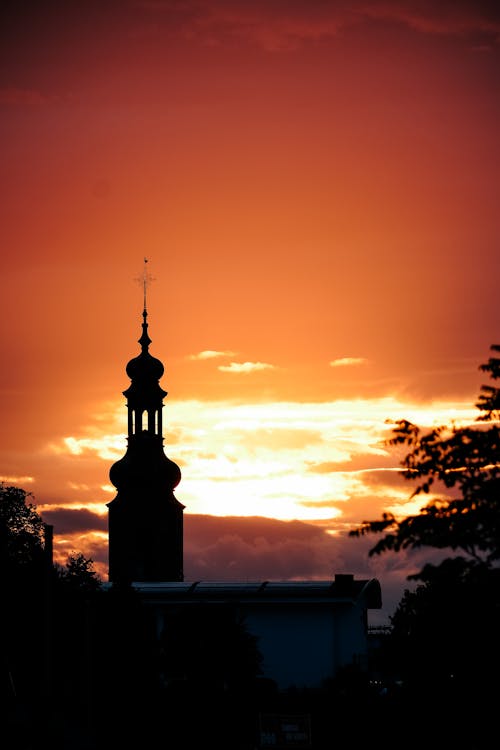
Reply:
x=315, y=187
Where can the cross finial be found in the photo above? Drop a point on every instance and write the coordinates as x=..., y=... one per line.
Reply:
x=145, y=280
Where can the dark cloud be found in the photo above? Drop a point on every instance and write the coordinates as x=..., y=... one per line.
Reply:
x=204, y=529
x=67, y=521
x=455, y=17
x=377, y=480
x=276, y=28
x=264, y=548
x=385, y=478
x=258, y=549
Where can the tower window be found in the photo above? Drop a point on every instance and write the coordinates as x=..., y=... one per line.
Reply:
x=144, y=425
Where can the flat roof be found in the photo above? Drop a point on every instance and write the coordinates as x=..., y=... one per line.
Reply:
x=341, y=589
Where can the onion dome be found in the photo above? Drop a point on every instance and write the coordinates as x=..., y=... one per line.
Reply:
x=144, y=469
x=145, y=367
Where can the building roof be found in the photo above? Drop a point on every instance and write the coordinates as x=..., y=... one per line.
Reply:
x=341, y=589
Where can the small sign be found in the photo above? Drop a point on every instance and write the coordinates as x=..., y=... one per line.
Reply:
x=285, y=731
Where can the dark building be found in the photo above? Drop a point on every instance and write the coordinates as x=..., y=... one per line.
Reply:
x=145, y=518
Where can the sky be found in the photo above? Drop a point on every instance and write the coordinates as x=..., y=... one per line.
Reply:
x=315, y=187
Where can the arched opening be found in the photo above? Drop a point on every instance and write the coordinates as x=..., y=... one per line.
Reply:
x=144, y=421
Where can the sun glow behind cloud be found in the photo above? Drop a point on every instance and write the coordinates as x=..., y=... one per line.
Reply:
x=283, y=460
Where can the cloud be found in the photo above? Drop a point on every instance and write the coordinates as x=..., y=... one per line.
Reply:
x=246, y=367
x=256, y=549
x=376, y=478
x=66, y=521
x=370, y=477
x=348, y=361
x=16, y=481
x=108, y=447
x=325, y=467
x=202, y=528
x=274, y=28
x=446, y=17
x=210, y=354
x=281, y=438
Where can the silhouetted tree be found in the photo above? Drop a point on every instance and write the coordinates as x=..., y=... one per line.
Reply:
x=21, y=531
x=447, y=629
x=444, y=634
x=463, y=460
x=78, y=574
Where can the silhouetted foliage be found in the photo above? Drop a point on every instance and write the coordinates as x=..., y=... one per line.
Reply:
x=443, y=645
x=443, y=639
x=447, y=629
x=21, y=531
x=450, y=459
x=78, y=573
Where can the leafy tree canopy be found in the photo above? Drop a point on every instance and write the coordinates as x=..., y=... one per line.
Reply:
x=78, y=573
x=21, y=528
x=462, y=466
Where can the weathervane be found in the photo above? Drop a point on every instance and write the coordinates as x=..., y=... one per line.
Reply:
x=145, y=280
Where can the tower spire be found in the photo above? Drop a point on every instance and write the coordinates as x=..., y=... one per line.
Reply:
x=146, y=279
x=145, y=518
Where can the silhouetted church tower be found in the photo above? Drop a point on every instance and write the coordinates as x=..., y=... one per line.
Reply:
x=145, y=518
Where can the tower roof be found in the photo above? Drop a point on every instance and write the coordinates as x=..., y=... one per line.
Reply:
x=145, y=368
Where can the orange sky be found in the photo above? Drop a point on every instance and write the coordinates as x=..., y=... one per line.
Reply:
x=316, y=187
